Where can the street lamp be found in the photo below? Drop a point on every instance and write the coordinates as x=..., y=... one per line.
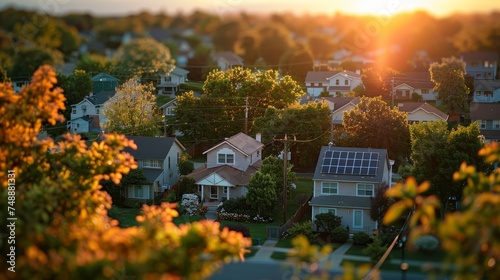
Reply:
x=404, y=265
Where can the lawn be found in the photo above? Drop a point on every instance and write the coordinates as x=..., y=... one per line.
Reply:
x=126, y=217
x=161, y=100
x=194, y=86
x=279, y=255
x=436, y=256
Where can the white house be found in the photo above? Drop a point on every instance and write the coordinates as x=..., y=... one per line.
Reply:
x=158, y=157
x=422, y=112
x=169, y=83
x=230, y=164
x=414, y=82
x=340, y=105
x=89, y=110
x=336, y=83
x=344, y=181
x=227, y=60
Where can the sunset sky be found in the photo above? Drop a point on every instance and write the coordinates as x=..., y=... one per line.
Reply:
x=119, y=7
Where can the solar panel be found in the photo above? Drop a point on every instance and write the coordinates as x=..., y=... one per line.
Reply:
x=350, y=163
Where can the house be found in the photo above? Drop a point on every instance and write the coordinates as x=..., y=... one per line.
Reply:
x=168, y=112
x=87, y=116
x=336, y=83
x=414, y=82
x=488, y=117
x=344, y=181
x=230, y=164
x=227, y=60
x=422, y=112
x=158, y=157
x=340, y=105
x=169, y=83
x=486, y=91
x=481, y=64
x=19, y=83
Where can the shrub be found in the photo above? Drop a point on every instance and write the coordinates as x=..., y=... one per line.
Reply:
x=238, y=206
x=375, y=250
x=171, y=197
x=427, y=243
x=190, y=204
x=387, y=238
x=203, y=210
x=240, y=228
x=340, y=234
x=262, y=219
x=327, y=222
x=233, y=217
x=361, y=238
x=304, y=228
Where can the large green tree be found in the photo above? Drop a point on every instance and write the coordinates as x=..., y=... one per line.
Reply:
x=437, y=152
x=75, y=86
x=296, y=62
x=373, y=124
x=274, y=41
x=133, y=110
x=274, y=166
x=261, y=193
x=449, y=77
x=145, y=58
x=27, y=60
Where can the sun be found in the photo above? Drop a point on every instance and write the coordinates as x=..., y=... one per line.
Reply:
x=381, y=7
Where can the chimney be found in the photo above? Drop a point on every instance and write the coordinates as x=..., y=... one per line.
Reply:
x=258, y=137
x=91, y=94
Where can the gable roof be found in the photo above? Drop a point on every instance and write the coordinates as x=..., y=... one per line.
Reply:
x=486, y=85
x=104, y=77
x=323, y=76
x=412, y=107
x=377, y=178
x=484, y=111
x=416, y=80
x=101, y=97
x=339, y=102
x=179, y=71
x=233, y=176
x=152, y=147
x=230, y=57
x=242, y=142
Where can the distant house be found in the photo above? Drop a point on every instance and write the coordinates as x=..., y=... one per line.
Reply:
x=488, y=117
x=227, y=60
x=19, y=83
x=414, y=82
x=169, y=84
x=481, y=64
x=340, y=105
x=158, y=157
x=422, y=112
x=336, y=83
x=86, y=115
x=344, y=181
x=486, y=91
x=230, y=164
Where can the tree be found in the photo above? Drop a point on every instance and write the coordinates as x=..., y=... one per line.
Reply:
x=185, y=165
x=75, y=86
x=145, y=58
x=274, y=42
x=273, y=167
x=380, y=203
x=374, y=81
x=62, y=210
x=437, y=152
x=373, y=124
x=27, y=60
x=261, y=193
x=94, y=64
x=133, y=110
x=226, y=35
x=450, y=82
x=296, y=62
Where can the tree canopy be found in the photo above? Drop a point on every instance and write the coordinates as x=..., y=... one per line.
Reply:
x=449, y=77
x=133, y=111
x=61, y=209
x=261, y=193
x=373, y=124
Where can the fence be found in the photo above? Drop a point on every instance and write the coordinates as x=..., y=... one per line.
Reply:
x=303, y=209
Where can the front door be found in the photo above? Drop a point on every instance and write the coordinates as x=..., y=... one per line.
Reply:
x=214, y=192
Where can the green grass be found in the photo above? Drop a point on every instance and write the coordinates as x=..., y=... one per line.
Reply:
x=191, y=85
x=284, y=243
x=356, y=250
x=279, y=255
x=252, y=253
x=184, y=219
x=126, y=216
x=161, y=100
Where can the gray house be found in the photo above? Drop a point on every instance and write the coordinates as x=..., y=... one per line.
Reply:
x=481, y=64
x=344, y=181
x=230, y=164
x=488, y=117
x=158, y=157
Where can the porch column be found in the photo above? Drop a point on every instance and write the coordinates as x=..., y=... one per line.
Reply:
x=202, y=195
x=228, y=188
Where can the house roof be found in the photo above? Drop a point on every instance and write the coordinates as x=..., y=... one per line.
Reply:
x=151, y=174
x=179, y=71
x=84, y=118
x=232, y=175
x=412, y=107
x=484, y=111
x=416, y=80
x=169, y=103
x=382, y=163
x=491, y=134
x=323, y=76
x=152, y=147
x=339, y=102
x=333, y=88
x=101, y=97
x=104, y=77
x=480, y=56
x=242, y=142
x=230, y=57
x=341, y=201
x=486, y=85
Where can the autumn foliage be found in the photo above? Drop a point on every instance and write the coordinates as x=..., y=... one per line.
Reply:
x=63, y=230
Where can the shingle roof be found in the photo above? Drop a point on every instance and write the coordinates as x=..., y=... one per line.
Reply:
x=151, y=174
x=322, y=76
x=484, y=111
x=339, y=102
x=417, y=80
x=179, y=71
x=151, y=147
x=104, y=77
x=234, y=176
x=480, y=56
x=230, y=57
x=332, y=88
x=101, y=97
x=486, y=85
x=382, y=163
x=341, y=201
x=242, y=142
x=411, y=107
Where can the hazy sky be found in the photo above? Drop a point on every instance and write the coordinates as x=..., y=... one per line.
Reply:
x=117, y=7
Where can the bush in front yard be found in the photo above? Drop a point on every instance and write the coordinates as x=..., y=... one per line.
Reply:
x=327, y=222
x=304, y=228
x=240, y=228
x=238, y=206
x=427, y=243
x=340, y=234
x=361, y=238
x=375, y=250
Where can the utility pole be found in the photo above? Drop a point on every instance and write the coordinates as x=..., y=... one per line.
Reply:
x=392, y=92
x=285, y=166
x=246, y=115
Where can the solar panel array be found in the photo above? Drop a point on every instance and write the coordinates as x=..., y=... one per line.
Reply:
x=350, y=163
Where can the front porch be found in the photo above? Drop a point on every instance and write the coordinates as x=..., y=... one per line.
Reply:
x=214, y=193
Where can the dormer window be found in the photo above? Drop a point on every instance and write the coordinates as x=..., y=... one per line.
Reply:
x=225, y=156
x=168, y=79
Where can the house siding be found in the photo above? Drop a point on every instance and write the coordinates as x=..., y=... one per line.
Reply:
x=348, y=218
x=241, y=161
x=422, y=116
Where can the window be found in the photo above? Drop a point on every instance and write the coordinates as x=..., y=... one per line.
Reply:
x=364, y=190
x=138, y=193
x=169, y=165
x=496, y=124
x=168, y=79
x=329, y=188
x=425, y=91
x=151, y=163
x=483, y=124
x=74, y=111
x=346, y=82
x=224, y=190
x=225, y=158
x=357, y=219
x=323, y=210
x=169, y=111
x=97, y=111
x=473, y=64
x=337, y=82
x=478, y=75
x=488, y=75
